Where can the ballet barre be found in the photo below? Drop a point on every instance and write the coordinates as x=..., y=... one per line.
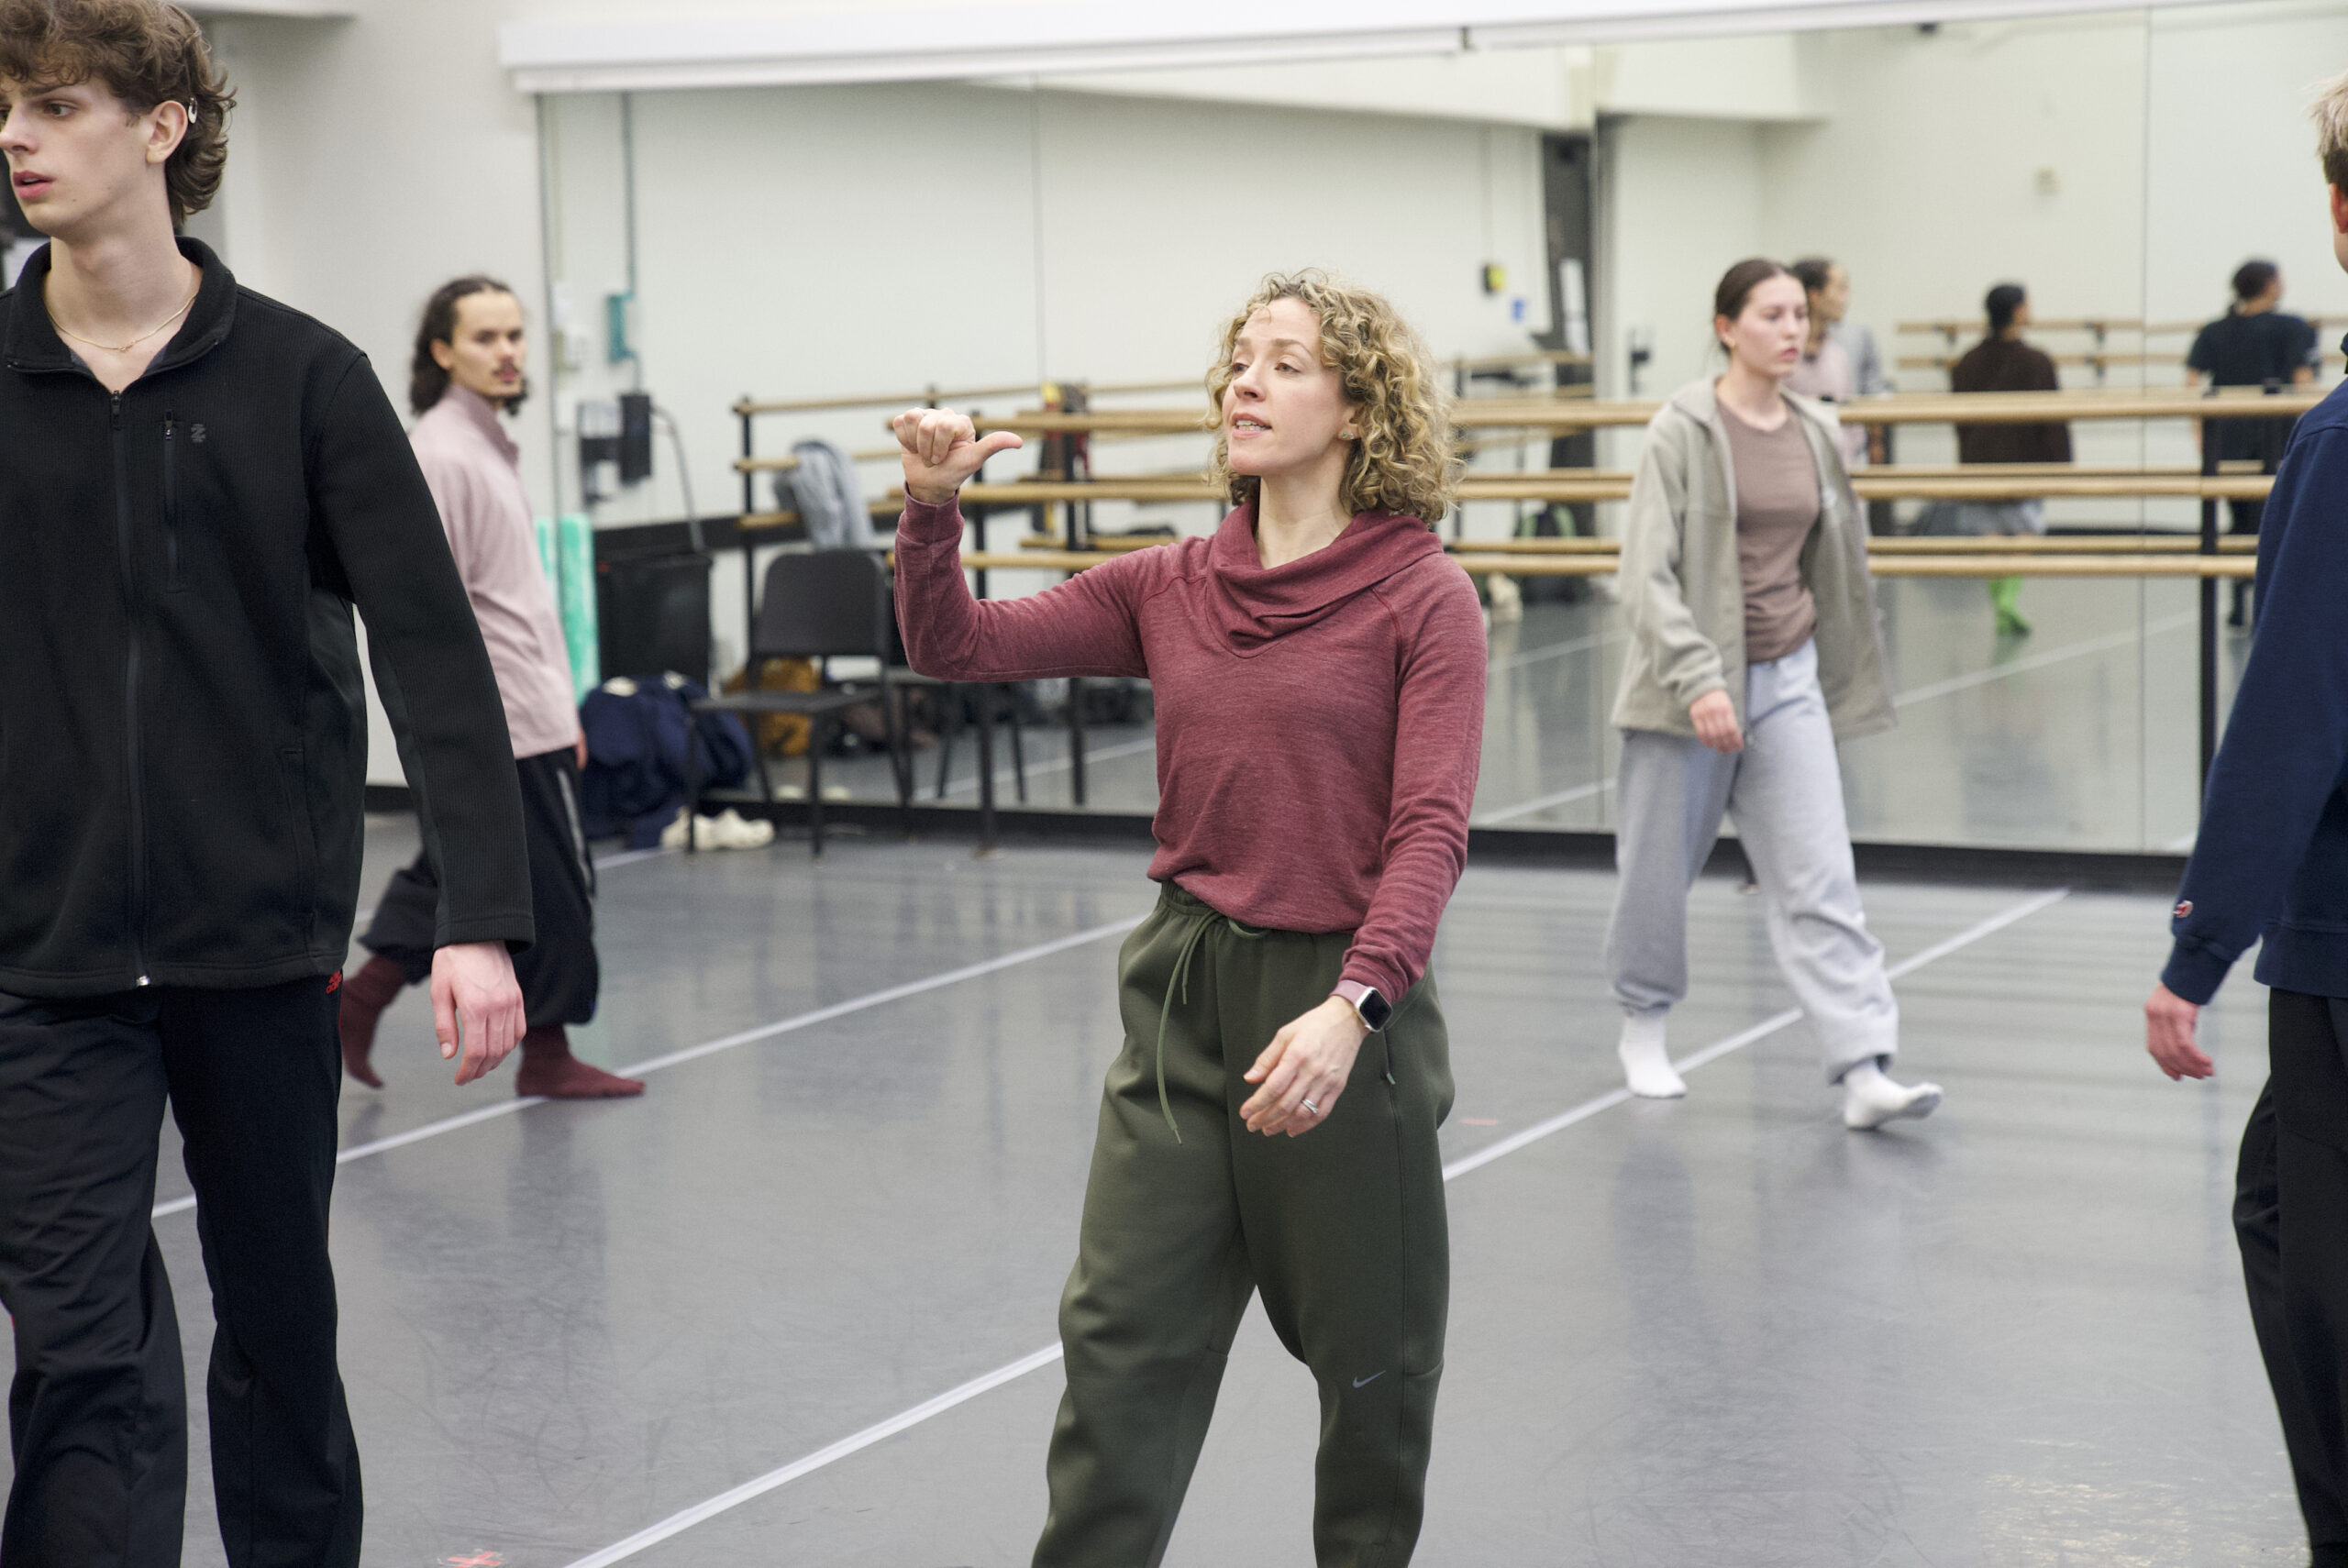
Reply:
x=2098, y=327
x=1582, y=484
x=1902, y=408
x=1596, y=563
x=1898, y=544
x=1893, y=545
x=788, y=464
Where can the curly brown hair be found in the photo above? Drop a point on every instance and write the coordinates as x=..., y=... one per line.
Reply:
x=145, y=52
x=1404, y=462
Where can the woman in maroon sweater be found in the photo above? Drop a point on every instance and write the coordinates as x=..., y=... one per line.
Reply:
x=1318, y=665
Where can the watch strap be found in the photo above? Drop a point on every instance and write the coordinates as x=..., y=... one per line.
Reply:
x=1372, y=1009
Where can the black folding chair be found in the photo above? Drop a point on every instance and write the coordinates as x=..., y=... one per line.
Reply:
x=822, y=605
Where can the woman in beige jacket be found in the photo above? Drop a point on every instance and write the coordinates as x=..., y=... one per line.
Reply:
x=1754, y=649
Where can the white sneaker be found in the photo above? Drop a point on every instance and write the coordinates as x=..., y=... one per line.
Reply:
x=729, y=830
x=1871, y=1097
x=1646, y=1065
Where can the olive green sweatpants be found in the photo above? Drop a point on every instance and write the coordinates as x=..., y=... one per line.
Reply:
x=1342, y=1230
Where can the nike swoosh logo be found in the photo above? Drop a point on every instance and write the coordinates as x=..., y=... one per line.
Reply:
x=1373, y=1377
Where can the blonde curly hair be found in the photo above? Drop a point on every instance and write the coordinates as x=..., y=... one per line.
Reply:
x=1403, y=462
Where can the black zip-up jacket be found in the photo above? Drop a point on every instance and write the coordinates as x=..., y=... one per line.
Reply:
x=182, y=720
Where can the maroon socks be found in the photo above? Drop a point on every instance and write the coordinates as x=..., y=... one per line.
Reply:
x=550, y=1070
x=365, y=995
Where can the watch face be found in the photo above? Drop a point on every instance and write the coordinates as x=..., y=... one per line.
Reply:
x=1376, y=1009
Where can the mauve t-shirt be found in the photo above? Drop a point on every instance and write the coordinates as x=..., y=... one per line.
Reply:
x=1776, y=507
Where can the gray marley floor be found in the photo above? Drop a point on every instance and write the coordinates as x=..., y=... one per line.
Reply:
x=1721, y=1330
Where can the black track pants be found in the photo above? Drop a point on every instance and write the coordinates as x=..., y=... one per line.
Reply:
x=98, y=1409
x=2291, y=1217
x=559, y=973
x=1342, y=1230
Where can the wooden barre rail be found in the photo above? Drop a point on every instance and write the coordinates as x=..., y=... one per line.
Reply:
x=2015, y=564
x=1979, y=326
x=1570, y=485
x=1470, y=365
x=1914, y=408
x=1898, y=544
x=784, y=465
x=2092, y=359
x=887, y=506
x=747, y=406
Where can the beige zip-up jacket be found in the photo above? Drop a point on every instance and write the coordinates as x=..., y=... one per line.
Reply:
x=1684, y=596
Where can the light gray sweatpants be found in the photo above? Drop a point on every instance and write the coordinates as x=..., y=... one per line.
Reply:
x=1785, y=794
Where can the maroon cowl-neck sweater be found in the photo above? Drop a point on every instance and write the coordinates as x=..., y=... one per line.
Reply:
x=1319, y=723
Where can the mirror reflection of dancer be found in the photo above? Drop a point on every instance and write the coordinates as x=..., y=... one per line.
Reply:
x=2270, y=866
x=1754, y=649
x=471, y=367
x=1271, y=1126
x=2002, y=362
x=2256, y=344
x=198, y=483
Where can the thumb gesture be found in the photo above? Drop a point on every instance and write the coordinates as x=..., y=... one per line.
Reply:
x=941, y=448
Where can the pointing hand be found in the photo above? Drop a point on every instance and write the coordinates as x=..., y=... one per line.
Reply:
x=942, y=449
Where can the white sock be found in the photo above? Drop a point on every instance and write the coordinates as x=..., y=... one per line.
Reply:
x=1870, y=1097
x=1645, y=1063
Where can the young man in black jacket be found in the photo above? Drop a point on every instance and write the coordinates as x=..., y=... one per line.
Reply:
x=198, y=485
x=2271, y=865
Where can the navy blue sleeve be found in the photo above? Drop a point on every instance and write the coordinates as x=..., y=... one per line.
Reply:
x=2288, y=738
x=2304, y=354
x=2202, y=357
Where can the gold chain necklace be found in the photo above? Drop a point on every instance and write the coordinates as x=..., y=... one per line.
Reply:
x=126, y=348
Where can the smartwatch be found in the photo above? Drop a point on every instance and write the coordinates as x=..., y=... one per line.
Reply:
x=1374, y=1010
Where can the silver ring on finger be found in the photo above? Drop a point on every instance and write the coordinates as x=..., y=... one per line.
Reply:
x=1310, y=1109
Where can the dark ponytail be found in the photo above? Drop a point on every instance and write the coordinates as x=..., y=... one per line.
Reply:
x=2253, y=278
x=428, y=383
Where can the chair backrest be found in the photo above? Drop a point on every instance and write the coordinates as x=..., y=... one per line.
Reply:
x=824, y=603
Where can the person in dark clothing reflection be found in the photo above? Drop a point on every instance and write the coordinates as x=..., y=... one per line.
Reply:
x=2255, y=344
x=2002, y=362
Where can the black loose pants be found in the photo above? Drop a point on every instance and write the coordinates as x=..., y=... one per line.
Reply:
x=98, y=1409
x=2291, y=1218
x=560, y=974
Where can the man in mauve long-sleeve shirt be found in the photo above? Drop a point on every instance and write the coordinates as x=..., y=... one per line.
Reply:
x=470, y=357
x=1318, y=667
x=2270, y=865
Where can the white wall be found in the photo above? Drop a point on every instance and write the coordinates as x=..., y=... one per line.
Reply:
x=2116, y=165
x=2231, y=156
x=370, y=159
x=827, y=241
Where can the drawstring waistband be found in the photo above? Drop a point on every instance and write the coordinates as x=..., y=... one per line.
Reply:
x=1201, y=920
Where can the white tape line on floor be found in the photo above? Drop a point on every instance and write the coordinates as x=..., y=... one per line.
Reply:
x=1010, y=1371
x=727, y=1042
